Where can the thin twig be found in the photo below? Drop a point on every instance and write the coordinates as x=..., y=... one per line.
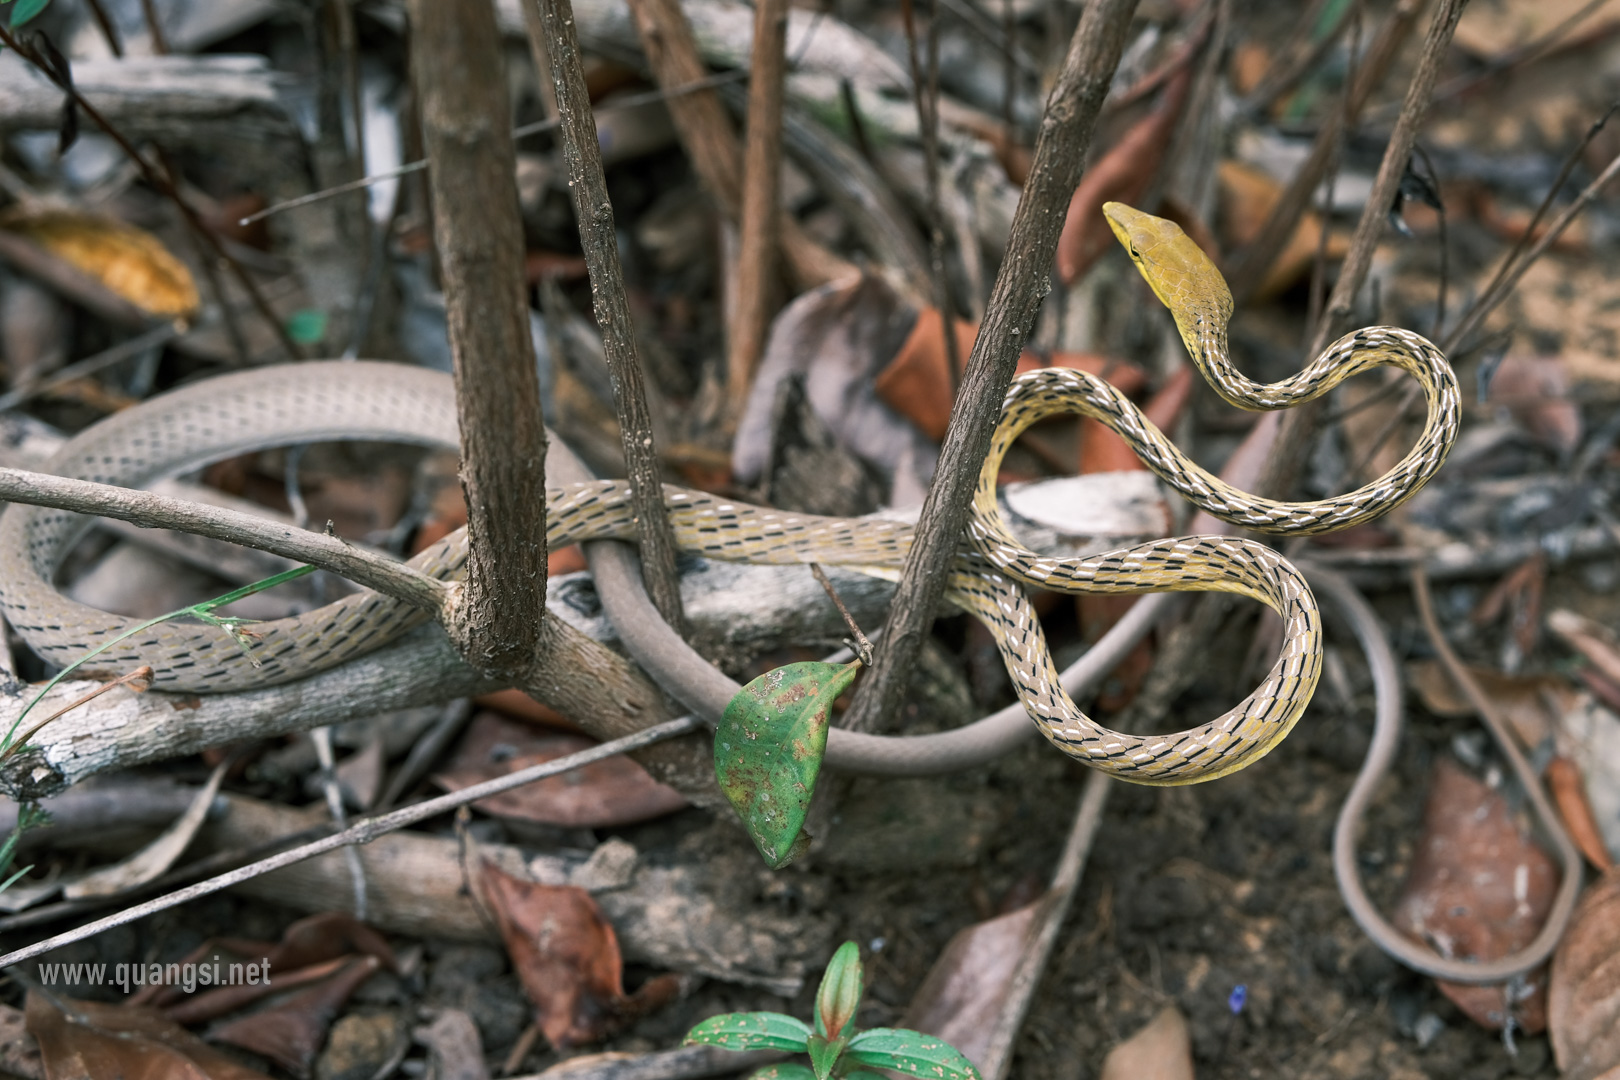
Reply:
x=138, y=680
x=1020, y=286
x=362, y=832
x=587, y=187
x=522, y=131
x=1291, y=433
x=124, y=350
x=1249, y=270
x=925, y=93
x=756, y=269
x=862, y=645
x=153, y=511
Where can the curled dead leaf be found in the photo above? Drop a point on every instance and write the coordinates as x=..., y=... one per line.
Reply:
x=1583, y=994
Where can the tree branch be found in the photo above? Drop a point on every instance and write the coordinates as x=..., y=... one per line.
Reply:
x=1021, y=285
x=461, y=84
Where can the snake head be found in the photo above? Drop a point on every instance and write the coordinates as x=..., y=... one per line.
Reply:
x=1181, y=275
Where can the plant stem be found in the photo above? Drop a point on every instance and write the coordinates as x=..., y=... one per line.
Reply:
x=461, y=85
x=588, y=189
x=1021, y=284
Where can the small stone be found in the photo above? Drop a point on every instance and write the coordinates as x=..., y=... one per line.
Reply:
x=358, y=1046
x=611, y=866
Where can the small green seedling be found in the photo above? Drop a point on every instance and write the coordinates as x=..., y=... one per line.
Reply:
x=231, y=624
x=849, y=1054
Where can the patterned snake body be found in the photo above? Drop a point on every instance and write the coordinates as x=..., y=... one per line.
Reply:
x=323, y=401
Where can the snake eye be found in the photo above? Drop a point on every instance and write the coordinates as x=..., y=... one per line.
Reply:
x=1134, y=253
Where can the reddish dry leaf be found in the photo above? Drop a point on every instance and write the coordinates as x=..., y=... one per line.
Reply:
x=1161, y=1050
x=917, y=382
x=1479, y=889
x=1122, y=175
x=1583, y=994
x=1568, y=790
x=1537, y=391
x=96, y=1041
x=616, y=791
x=566, y=954
x=292, y=1032
x=961, y=999
x=1518, y=596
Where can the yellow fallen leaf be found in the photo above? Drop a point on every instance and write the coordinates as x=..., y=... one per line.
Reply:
x=130, y=261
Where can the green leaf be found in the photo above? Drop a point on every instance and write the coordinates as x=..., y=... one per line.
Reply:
x=306, y=326
x=768, y=751
x=911, y=1052
x=751, y=1031
x=824, y=1054
x=26, y=10
x=788, y=1070
x=840, y=992
x=862, y=1074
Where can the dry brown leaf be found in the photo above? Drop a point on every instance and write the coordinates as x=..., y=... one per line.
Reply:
x=567, y=957
x=1583, y=994
x=1538, y=391
x=1247, y=198
x=1522, y=698
x=1478, y=889
x=1161, y=1050
x=94, y=1041
x=615, y=791
x=131, y=262
x=293, y=1031
x=961, y=999
x=1122, y=175
x=155, y=858
x=316, y=939
x=1588, y=637
x=1490, y=30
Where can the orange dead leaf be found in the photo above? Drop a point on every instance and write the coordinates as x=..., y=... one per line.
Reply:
x=1583, y=995
x=131, y=262
x=1247, y=197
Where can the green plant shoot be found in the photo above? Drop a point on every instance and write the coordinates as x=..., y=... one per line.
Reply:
x=204, y=611
x=837, y=1056
x=768, y=751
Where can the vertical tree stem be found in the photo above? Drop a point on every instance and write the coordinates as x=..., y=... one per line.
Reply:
x=1294, y=429
x=1021, y=285
x=461, y=85
x=588, y=189
x=762, y=173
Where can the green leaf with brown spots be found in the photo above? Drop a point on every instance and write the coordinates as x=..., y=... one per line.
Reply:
x=790, y=1070
x=767, y=753
x=911, y=1053
x=751, y=1031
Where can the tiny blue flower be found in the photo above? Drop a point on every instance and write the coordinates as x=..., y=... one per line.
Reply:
x=1236, y=999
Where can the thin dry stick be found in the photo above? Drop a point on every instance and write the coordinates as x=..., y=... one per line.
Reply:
x=1295, y=428
x=523, y=131
x=761, y=214
x=1250, y=268
x=709, y=140
x=399, y=580
x=156, y=177
x=461, y=85
x=1021, y=284
x=362, y=832
x=863, y=646
x=588, y=189
x=925, y=92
